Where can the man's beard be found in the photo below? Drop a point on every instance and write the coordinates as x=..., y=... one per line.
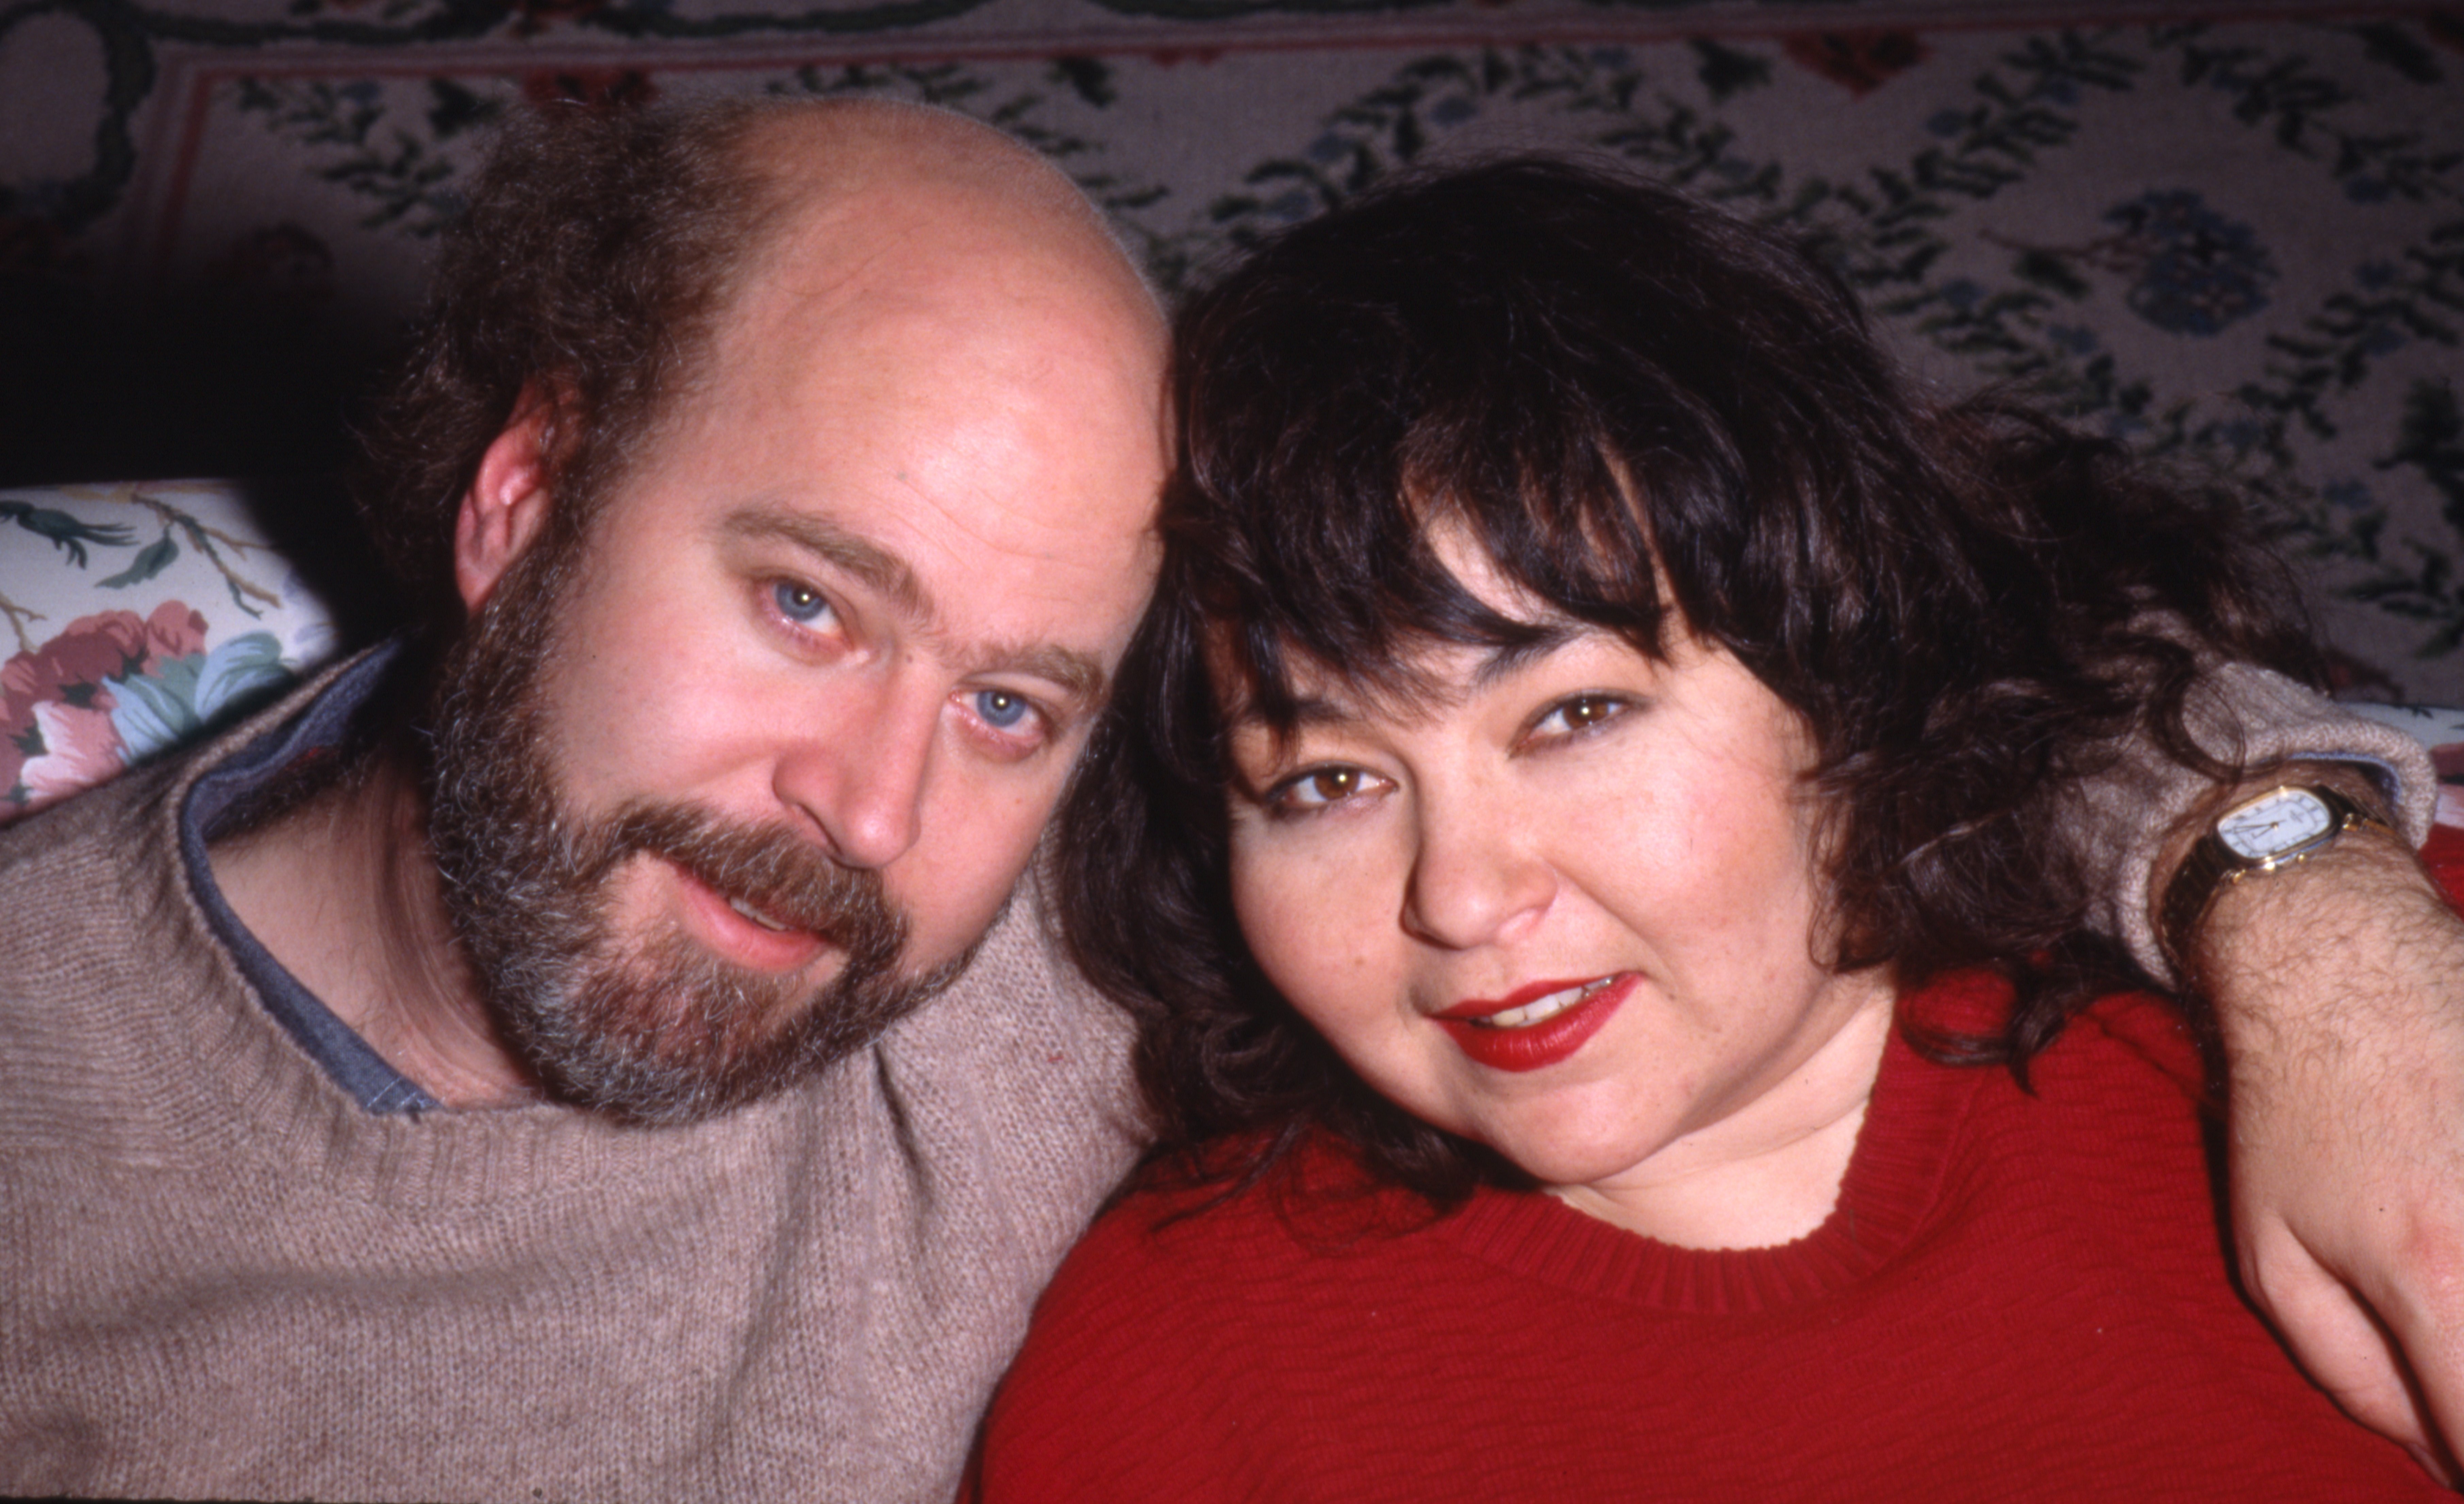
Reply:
x=659, y=1031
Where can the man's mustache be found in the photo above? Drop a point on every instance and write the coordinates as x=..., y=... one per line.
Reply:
x=788, y=879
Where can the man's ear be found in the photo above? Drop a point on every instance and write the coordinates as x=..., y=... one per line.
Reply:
x=507, y=501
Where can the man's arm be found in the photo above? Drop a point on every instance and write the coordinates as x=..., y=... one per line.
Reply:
x=2338, y=987
x=2339, y=991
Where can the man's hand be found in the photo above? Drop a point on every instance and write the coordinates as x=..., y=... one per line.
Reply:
x=2339, y=987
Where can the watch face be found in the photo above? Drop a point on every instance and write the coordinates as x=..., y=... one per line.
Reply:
x=2275, y=825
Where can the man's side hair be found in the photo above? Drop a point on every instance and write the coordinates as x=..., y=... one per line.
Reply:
x=598, y=248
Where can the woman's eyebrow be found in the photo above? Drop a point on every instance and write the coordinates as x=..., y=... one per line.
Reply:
x=1302, y=710
x=1321, y=709
x=1512, y=657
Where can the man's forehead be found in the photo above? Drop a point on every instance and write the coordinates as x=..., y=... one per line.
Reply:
x=909, y=238
x=911, y=196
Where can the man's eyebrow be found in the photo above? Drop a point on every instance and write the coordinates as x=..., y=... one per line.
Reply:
x=864, y=560
x=1079, y=675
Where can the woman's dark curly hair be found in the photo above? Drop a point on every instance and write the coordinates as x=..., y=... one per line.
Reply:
x=1654, y=418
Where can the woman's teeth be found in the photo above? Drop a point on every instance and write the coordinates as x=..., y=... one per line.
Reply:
x=1540, y=1010
x=754, y=914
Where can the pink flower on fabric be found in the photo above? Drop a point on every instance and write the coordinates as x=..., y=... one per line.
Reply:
x=55, y=702
x=109, y=645
x=73, y=664
x=82, y=749
x=175, y=631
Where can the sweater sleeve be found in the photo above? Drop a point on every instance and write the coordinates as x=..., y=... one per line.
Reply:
x=2240, y=713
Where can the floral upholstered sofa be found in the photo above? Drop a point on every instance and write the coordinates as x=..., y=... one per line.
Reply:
x=140, y=616
x=146, y=614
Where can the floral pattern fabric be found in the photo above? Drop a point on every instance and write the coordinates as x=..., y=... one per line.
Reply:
x=142, y=616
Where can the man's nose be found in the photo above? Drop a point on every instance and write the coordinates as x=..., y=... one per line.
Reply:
x=861, y=775
x=1475, y=881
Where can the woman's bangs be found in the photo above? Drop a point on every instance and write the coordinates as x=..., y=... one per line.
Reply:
x=1364, y=624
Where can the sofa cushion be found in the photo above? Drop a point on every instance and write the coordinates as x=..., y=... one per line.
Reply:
x=140, y=615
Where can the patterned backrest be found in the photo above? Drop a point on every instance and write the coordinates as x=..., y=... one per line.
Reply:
x=143, y=615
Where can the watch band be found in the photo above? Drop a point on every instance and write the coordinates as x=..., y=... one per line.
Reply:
x=2211, y=864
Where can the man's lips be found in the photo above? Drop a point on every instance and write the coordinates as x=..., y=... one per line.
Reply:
x=1537, y=1025
x=742, y=932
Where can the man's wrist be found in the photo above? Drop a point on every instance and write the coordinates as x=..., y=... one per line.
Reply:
x=2188, y=885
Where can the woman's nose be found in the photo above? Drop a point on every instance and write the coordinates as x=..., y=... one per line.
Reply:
x=1475, y=881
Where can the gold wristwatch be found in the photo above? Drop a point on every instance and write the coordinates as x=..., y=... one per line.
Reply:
x=2278, y=829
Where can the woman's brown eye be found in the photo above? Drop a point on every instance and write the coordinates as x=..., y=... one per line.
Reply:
x=1327, y=786
x=1590, y=711
x=1318, y=788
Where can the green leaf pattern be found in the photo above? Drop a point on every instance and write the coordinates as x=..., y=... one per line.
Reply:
x=129, y=645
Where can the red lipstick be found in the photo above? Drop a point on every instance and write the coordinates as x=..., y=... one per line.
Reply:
x=1532, y=1046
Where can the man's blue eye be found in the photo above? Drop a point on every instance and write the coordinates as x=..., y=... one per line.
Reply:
x=798, y=603
x=999, y=708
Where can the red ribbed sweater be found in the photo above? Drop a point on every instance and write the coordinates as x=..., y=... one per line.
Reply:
x=2017, y=1297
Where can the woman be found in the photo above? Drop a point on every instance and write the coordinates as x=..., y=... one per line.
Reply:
x=1605, y=755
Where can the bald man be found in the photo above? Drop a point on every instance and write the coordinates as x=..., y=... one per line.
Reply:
x=499, y=1072
x=429, y=1086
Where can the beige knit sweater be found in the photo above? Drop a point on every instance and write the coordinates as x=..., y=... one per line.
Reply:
x=220, y=1278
